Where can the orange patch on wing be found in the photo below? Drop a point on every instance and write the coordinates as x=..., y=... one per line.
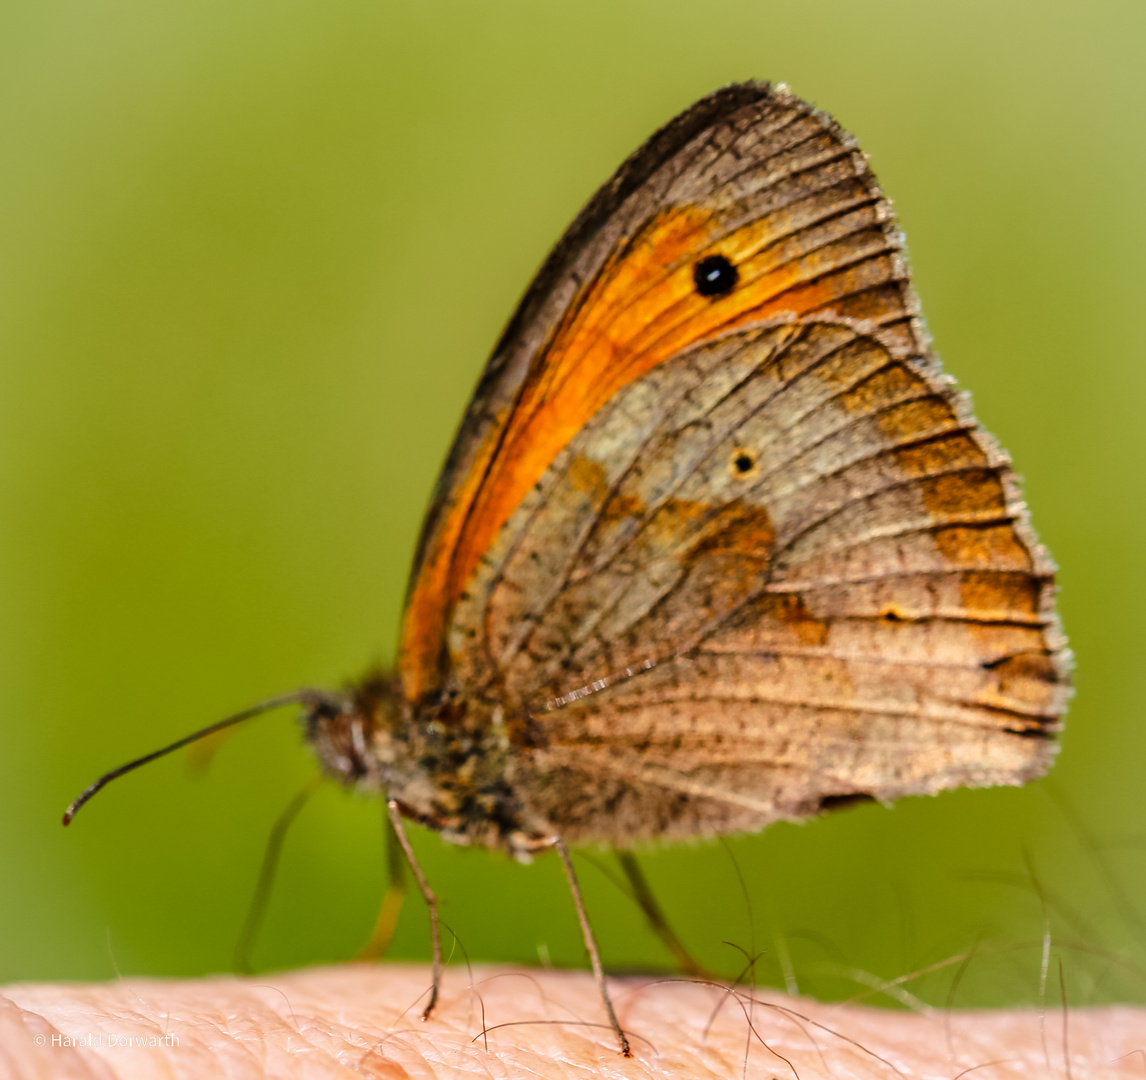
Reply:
x=994, y=547
x=884, y=387
x=993, y=595
x=957, y=450
x=641, y=309
x=743, y=531
x=1003, y=590
x=975, y=494
x=769, y=622
x=1025, y=683
x=587, y=476
x=791, y=610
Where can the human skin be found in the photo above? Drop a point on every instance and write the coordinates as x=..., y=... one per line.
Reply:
x=363, y=1020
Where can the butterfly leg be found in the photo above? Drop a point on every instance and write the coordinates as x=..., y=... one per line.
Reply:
x=642, y=893
x=590, y=943
x=392, y=900
x=428, y=896
x=258, y=909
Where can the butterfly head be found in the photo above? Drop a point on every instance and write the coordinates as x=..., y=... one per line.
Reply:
x=358, y=735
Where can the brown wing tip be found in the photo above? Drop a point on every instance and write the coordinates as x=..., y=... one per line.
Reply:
x=658, y=148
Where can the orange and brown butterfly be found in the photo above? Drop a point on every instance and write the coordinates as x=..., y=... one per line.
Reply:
x=717, y=543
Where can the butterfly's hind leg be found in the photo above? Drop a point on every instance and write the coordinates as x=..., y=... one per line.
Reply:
x=642, y=893
x=590, y=943
x=427, y=895
x=392, y=899
x=258, y=909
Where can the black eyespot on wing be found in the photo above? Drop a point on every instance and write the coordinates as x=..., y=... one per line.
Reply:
x=742, y=463
x=715, y=276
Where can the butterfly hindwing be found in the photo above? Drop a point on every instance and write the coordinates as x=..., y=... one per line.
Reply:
x=781, y=569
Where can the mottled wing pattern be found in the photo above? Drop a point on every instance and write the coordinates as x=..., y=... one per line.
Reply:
x=722, y=560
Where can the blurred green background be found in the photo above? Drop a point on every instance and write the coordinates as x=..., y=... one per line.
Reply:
x=252, y=258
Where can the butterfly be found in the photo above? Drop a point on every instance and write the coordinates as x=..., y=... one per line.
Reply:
x=717, y=543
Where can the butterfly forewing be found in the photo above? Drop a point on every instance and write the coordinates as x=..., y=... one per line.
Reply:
x=751, y=174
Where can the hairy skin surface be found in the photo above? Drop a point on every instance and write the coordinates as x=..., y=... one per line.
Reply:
x=360, y=1020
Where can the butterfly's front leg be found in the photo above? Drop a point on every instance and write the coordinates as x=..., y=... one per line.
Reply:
x=428, y=896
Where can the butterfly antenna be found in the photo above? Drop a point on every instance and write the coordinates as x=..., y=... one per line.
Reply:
x=295, y=697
